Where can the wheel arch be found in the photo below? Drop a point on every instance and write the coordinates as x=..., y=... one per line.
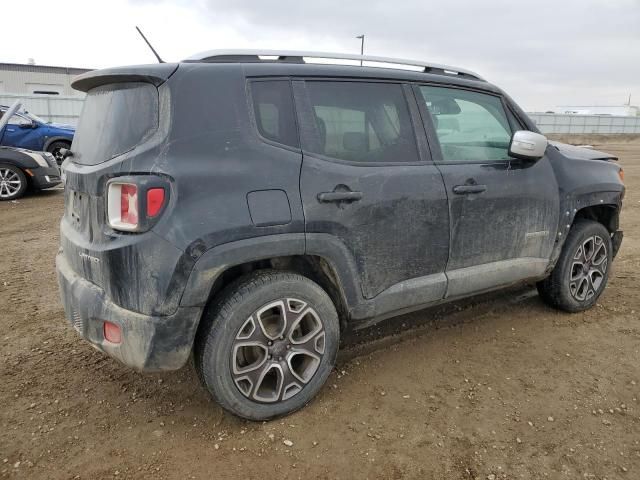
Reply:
x=601, y=206
x=606, y=214
x=220, y=266
x=52, y=140
x=312, y=267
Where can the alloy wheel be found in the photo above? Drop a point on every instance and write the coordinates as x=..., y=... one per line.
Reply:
x=278, y=350
x=10, y=183
x=588, y=268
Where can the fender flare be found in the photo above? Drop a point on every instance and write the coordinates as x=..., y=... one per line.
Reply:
x=212, y=263
x=579, y=201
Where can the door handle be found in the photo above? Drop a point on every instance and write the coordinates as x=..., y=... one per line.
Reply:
x=326, y=197
x=467, y=189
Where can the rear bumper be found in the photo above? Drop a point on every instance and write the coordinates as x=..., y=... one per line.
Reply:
x=149, y=343
x=45, y=177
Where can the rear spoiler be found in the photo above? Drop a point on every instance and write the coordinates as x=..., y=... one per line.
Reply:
x=155, y=74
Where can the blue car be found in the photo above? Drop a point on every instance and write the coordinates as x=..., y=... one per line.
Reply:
x=26, y=130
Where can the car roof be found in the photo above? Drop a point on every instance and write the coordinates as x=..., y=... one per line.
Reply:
x=320, y=64
x=308, y=71
x=297, y=56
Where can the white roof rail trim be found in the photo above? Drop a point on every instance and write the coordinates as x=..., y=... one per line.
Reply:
x=330, y=56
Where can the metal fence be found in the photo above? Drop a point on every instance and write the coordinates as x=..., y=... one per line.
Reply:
x=52, y=108
x=598, y=124
x=66, y=109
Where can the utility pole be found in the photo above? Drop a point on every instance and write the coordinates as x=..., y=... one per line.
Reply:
x=361, y=37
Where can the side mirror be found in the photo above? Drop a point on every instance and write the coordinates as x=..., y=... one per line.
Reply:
x=25, y=124
x=528, y=145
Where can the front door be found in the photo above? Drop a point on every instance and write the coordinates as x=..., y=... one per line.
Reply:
x=366, y=185
x=503, y=210
x=20, y=133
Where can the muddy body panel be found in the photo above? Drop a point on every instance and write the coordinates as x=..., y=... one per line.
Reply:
x=362, y=192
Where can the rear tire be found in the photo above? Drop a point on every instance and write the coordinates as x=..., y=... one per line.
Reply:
x=582, y=270
x=267, y=344
x=13, y=182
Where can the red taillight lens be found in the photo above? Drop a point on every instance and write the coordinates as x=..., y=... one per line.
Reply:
x=112, y=333
x=129, y=204
x=155, y=200
x=122, y=206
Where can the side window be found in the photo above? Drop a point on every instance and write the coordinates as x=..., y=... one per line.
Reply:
x=361, y=122
x=470, y=126
x=274, y=113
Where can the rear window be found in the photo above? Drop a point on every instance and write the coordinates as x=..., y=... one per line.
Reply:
x=114, y=119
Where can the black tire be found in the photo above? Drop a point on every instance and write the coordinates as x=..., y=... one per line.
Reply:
x=568, y=287
x=54, y=149
x=235, y=318
x=9, y=189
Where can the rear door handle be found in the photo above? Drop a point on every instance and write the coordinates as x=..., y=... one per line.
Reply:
x=326, y=197
x=467, y=189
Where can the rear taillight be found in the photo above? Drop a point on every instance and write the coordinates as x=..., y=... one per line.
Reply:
x=134, y=203
x=123, y=206
x=155, y=200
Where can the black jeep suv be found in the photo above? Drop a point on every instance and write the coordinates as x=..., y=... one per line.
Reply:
x=248, y=207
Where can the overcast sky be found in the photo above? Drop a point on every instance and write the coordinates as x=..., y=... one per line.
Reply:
x=543, y=53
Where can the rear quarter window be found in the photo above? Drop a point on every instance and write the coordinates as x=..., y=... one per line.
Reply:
x=274, y=112
x=115, y=119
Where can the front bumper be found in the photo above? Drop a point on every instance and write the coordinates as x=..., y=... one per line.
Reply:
x=45, y=177
x=149, y=343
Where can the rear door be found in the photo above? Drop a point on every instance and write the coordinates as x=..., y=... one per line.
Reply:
x=504, y=212
x=367, y=185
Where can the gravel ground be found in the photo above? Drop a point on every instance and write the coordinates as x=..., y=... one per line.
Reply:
x=496, y=387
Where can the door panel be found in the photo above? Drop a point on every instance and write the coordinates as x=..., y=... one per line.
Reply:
x=16, y=136
x=504, y=211
x=515, y=216
x=396, y=231
x=364, y=180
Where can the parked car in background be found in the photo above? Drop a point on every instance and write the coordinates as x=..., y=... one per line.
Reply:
x=26, y=130
x=249, y=206
x=21, y=169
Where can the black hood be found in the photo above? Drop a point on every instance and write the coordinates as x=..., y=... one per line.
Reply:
x=582, y=153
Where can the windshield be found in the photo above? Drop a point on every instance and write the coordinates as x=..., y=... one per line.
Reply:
x=115, y=119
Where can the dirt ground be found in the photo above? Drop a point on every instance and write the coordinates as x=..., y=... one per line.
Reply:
x=497, y=387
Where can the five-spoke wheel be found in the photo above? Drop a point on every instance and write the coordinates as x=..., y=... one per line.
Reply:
x=268, y=345
x=278, y=350
x=588, y=268
x=581, y=271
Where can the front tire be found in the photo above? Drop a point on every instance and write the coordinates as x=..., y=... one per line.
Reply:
x=268, y=345
x=54, y=149
x=582, y=271
x=13, y=182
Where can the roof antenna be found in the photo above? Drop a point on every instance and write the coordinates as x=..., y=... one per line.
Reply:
x=152, y=49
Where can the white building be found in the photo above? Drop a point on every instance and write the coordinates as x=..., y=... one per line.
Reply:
x=613, y=110
x=21, y=79
x=43, y=90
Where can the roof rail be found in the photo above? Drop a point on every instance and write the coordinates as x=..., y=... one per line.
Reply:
x=294, y=56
